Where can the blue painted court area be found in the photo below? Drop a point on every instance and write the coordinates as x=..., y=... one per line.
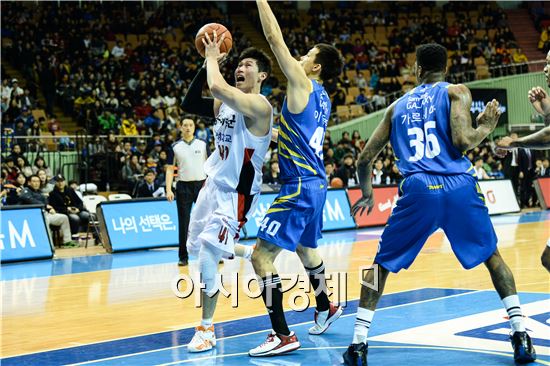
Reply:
x=57, y=267
x=418, y=327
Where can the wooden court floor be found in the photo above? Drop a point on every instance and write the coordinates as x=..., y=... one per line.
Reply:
x=69, y=302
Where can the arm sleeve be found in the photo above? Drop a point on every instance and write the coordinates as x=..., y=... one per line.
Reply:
x=194, y=102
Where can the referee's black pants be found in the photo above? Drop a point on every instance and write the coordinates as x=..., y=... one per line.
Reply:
x=186, y=194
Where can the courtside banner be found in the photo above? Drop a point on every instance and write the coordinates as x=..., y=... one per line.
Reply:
x=336, y=213
x=384, y=202
x=23, y=234
x=542, y=186
x=141, y=223
x=499, y=196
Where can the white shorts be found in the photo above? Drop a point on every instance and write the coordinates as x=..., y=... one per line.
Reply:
x=217, y=218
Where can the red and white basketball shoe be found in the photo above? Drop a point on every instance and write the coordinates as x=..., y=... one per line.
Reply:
x=276, y=344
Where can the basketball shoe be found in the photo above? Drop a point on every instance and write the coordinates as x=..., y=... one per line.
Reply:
x=356, y=355
x=320, y=327
x=276, y=344
x=523, y=348
x=203, y=340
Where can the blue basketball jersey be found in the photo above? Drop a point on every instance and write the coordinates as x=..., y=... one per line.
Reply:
x=421, y=133
x=301, y=137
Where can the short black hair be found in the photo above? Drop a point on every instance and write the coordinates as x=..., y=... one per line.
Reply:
x=150, y=171
x=330, y=59
x=432, y=57
x=262, y=59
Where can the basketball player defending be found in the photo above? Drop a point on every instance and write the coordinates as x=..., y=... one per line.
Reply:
x=429, y=128
x=539, y=140
x=294, y=220
x=242, y=133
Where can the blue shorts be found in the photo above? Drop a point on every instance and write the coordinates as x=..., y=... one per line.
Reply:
x=453, y=203
x=296, y=215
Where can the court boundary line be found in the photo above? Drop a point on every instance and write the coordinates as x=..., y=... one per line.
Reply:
x=543, y=362
x=267, y=330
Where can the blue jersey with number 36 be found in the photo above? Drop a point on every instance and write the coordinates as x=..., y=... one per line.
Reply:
x=301, y=137
x=421, y=133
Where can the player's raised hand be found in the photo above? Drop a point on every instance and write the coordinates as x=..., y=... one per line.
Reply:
x=365, y=202
x=490, y=115
x=212, y=46
x=540, y=101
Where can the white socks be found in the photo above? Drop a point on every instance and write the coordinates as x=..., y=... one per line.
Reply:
x=206, y=322
x=511, y=304
x=362, y=325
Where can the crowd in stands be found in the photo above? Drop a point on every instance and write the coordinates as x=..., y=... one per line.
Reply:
x=119, y=67
x=378, y=41
x=540, y=14
x=126, y=66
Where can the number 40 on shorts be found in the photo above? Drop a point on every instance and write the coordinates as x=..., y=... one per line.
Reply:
x=272, y=227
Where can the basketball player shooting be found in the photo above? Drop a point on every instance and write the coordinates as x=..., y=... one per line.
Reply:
x=242, y=133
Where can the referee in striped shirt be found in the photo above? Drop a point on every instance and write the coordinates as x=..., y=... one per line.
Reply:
x=189, y=155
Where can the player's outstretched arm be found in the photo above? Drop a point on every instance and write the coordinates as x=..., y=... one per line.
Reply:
x=250, y=105
x=539, y=141
x=299, y=85
x=375, y=144
x=464, y=136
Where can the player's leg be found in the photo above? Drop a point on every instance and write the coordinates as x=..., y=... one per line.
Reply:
x=204, y=338
x=545, y=258
x=412, y=221
x=281, y=340
x=204, y=207
x=326, y=313
x=466, y=208
x=504, y=283
x=281, y=228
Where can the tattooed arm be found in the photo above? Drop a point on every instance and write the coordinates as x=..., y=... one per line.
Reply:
x=376, y=143
x=464, y=136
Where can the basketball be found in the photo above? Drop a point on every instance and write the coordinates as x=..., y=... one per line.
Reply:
x=336, y=183
x=209, y=28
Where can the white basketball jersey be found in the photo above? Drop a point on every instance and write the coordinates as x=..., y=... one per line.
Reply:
x=237, y=162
